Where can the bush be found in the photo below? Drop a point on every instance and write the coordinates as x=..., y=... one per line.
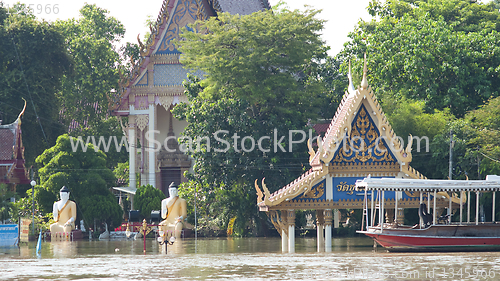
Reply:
x=147, y=198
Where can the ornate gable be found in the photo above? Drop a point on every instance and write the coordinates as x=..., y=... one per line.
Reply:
x=364, y=146
x=158, y=70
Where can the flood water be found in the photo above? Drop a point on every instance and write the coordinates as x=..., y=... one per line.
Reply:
x=239, y=259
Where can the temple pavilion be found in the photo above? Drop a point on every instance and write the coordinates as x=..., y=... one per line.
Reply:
x=12, y=169
x=358, y=143
x=154, y=86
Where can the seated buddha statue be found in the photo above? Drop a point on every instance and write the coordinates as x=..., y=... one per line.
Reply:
x=64, y=212
x=173, y=211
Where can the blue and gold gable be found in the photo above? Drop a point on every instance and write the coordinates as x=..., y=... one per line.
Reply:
x=184, y=13
x=364, y=145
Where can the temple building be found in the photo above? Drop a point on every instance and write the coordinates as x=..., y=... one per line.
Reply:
x=154, y=86
x=358, y=143
x=12, y=169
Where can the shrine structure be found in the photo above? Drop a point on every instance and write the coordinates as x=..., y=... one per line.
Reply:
x=358, y=143
x=154, y=86
x=12, y=169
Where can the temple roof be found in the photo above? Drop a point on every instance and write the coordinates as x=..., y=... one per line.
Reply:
x=158, y=70
x=359, y=115
x=12, y=170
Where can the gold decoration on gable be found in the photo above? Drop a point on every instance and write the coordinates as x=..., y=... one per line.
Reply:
x=364, y=144
x=315, y=192
x=279, y=221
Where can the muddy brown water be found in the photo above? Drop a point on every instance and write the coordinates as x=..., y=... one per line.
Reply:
x=238, y=259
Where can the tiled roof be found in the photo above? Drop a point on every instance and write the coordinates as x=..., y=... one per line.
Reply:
x=243, y=7
x=321, y=128
x=12, y=170
x=8, y=140
x=336, y=123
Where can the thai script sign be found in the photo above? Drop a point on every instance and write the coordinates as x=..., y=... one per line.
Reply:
x=25, y=230
x=9, y=233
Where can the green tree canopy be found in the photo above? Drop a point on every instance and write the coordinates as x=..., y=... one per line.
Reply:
x=440, y=52
x=90, y=41
x=270, y=59
x=86, y=176
x=262, y=78
x=33, y=62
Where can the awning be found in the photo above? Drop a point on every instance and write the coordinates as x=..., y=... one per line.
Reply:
x=492, y=183
x=126, y=189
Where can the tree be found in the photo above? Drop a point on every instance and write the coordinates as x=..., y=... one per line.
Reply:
x=33, y=62
x=147, y=198
x=336, y=83
x=6, y=207
x=268, y=59
x=90, y=40
x=484, y=144
x=261, y=79
x=438, y=52
x=87, y=177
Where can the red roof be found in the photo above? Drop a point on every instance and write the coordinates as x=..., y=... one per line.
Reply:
x=12, y=170
x=321, y=128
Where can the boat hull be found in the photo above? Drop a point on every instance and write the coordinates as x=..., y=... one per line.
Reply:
x=438, y=238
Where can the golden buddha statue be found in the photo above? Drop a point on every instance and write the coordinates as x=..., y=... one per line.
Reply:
x=64, y=212
x=173, y=211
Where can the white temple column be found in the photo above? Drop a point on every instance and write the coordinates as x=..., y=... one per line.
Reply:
x=291, y=230
x=320, y=221
x=284, y=241
x=132, y=154
x=336, y=218
x=151, y=146
x=328, y=230
x=284, y=237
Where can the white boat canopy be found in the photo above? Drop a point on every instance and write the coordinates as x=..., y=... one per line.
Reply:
x=492, y=183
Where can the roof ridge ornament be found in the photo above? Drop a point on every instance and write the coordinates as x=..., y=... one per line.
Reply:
x=364, y=82
x=22, y=112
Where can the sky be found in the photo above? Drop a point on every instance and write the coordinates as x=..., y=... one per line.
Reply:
x=341, y=16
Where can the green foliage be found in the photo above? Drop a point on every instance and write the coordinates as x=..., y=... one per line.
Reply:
x=32, y=56
x=6, y=207
x=336, y=83
x=476, y=151
x=87, y=177
x=262, y=78
x=269, y=59
x=90, y=40
x=147, y=198
x=122, y=174
x=485, y=143
x=439, y=52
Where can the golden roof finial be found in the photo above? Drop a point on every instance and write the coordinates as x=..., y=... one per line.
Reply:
x=364, y=82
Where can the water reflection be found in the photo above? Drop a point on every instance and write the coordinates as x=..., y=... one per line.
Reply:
x=237, y=258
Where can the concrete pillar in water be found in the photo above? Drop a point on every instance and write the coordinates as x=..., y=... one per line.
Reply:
x=328, y=230
x=284, y=236
x=291, y=231
x=336, y=218
x=320, y=221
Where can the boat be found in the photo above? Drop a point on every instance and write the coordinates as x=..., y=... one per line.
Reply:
x=433, y=233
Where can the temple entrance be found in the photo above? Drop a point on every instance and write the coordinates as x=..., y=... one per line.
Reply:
x=169, y=175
